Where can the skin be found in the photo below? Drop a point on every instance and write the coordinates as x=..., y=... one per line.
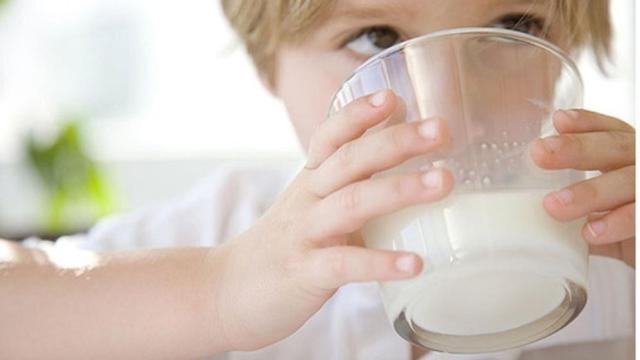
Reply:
x=191, y=303
x=150, y=304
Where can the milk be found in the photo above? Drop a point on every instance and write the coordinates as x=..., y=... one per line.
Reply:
x=493, y=262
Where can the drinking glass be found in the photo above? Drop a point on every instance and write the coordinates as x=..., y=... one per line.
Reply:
x=498, y=271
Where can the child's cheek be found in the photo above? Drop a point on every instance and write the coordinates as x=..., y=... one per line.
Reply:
x=306, y=83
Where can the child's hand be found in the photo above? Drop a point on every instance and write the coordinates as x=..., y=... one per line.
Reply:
x=283, y=269
x=591, y=141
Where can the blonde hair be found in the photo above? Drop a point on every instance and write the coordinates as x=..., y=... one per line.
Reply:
x=264, y=25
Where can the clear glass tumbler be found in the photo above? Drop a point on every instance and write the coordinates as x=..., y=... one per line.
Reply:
x=499, y=272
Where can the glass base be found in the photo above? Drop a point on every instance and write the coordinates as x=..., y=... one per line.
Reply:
x=575, y=298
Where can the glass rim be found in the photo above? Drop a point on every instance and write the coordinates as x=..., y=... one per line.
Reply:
x=482, y=31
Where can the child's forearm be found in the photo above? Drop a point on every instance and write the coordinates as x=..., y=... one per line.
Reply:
x=142, y=304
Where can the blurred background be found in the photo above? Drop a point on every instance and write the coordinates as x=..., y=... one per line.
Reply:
x=107, y=106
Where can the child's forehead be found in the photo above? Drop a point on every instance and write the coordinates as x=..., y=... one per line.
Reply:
x=377, y=8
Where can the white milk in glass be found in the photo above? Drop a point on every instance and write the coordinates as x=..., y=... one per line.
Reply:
x=493, y=262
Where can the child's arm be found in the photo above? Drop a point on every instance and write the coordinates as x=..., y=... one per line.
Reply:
x=252, y=291
x=148, y=304
x=592, y=141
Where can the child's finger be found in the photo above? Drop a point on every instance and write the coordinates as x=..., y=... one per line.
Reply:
x=331, y=267
x=596, y=215
x=362, y=157
x=578, y=120
x=601, y=193
x=617, y=225
x=624, y=250
x=587, y=151
x=347, y=124
x=347, y=210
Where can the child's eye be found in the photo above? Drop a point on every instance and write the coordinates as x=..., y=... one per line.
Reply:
x=373, y=40
x=525, y=23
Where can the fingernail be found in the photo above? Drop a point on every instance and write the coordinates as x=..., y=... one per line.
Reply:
x=597, y=227
x=573, y=114
x=552, y=144
x=569, y=114
x=432, y=179
x=429, y=129
x=564, y=196
x=406, y=263
x=378, y=99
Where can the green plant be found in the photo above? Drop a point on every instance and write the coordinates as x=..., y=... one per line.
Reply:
x=75, y=186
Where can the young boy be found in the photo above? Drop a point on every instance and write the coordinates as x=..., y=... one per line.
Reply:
x=267, y=276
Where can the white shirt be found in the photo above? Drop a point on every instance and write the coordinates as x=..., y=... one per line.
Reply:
x=352, y=324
